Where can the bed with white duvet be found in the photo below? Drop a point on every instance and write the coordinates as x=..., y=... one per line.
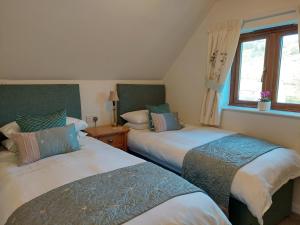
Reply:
x=253, y=184
x=20, y=184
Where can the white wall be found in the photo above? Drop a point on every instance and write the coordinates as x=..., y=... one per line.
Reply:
x=94, y=39
x=185, y=79
x=94, y=94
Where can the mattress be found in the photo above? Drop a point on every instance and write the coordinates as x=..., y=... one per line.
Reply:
x=254, y=184
x=19, y=185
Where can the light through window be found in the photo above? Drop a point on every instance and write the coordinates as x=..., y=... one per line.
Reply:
x=252, y=67
x=289, y=81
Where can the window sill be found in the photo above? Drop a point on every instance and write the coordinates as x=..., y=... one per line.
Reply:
x=269, y=113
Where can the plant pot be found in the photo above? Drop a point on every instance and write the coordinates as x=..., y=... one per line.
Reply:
x=264, y=106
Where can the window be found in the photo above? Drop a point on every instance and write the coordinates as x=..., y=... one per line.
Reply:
x=267, y=60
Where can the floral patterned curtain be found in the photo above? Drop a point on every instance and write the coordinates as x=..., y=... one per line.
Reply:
x=222, y=44
x=298, y=12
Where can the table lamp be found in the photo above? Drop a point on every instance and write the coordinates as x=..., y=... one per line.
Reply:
x=113, y=97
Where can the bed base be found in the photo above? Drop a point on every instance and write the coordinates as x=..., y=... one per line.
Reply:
x=238, y=211
x=280, y=209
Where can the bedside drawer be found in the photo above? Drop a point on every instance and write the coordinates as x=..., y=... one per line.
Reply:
x=115, y=140
x=114, y=136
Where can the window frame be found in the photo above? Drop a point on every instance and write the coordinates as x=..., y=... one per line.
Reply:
x=271, y=72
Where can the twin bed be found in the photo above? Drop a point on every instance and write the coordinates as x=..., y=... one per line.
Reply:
x=261, y=191
x=48, y=191
x=253, y=185
x=22, y=184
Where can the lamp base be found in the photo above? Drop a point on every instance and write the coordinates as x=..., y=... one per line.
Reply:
x=114, y=122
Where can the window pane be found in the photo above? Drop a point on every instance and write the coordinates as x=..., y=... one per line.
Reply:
x=289, y=81
x=252, y=66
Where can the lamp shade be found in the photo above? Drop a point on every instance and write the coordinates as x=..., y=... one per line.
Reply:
x=113, y=96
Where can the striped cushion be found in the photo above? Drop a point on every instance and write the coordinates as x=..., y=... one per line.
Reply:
x=29, y=123
x=163, y=108
x=34, y=146
x=165, y=121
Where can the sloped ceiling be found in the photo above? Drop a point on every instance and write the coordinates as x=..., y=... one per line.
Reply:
x=94, y=39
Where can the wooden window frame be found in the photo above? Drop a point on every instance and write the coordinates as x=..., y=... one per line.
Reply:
x=270, y=77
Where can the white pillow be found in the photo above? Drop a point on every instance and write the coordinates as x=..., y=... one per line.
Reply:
x=10, y=128
x=140, y=116
x=137, y=126
x=79, y=124
x=10, y=145
x=81, y=134
x=7, y=130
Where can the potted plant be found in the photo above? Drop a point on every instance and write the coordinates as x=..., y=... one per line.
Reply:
x=264, y=103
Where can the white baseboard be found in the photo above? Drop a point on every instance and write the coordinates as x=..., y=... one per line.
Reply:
x=296, y=208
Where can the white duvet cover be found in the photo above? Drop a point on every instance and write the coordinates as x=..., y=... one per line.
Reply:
x=254, y=184
x=19, y=185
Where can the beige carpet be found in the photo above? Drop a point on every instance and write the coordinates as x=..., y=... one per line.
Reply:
x=292, y=220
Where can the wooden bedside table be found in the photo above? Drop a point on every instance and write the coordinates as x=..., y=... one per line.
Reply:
x=114, y=136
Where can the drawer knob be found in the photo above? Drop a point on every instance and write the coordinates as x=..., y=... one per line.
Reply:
x=110, y=141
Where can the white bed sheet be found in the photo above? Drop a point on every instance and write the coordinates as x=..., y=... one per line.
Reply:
x=19, y=185
x=254, y=184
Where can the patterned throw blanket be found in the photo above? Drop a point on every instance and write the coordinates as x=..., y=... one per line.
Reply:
x=109, y=198
x=213, y=166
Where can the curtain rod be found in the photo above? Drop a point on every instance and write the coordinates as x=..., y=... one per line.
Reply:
x=270, y=16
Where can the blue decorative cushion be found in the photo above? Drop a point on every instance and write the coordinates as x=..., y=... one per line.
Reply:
x=165, y=121
x=30, y=123
x=163, y=108
x=33, y=146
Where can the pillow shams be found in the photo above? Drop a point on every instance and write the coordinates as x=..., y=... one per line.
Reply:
x=140, y=116
x=29, y=123
x=163, y=108
x=9, y=145
x=10, y=128
x=34, y=146
x=165, y=122
x=79, y=124
x=137, y=126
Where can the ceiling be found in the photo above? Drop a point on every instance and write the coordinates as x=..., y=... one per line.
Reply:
x=94, y=39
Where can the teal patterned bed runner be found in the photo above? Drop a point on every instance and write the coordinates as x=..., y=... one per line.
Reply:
x=105, y=199
x=213, y=166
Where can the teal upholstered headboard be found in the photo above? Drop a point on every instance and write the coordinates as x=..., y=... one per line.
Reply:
x=38, y=99
x=137, y=96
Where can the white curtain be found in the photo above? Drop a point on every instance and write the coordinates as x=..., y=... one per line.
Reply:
x=298, y=12
x=222, y=44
